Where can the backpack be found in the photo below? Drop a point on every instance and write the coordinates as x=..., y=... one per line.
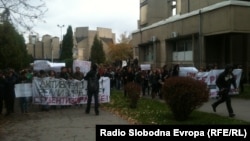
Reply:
x=93, y=83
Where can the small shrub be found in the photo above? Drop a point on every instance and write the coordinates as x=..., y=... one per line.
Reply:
x=183, y=95
x=133, y=91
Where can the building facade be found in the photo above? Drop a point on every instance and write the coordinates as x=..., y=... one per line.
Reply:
x=49, y=47
x=84, y=39
x=46, y=49
x=193, y=33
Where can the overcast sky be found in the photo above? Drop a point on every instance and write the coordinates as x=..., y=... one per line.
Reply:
x=119, y=15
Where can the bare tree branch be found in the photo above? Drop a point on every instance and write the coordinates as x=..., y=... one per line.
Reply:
x=24, y=13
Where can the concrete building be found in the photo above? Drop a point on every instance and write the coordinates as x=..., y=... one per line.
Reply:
x=84, y=39
x=193, y=33
x=49, y=47
x=46, y=49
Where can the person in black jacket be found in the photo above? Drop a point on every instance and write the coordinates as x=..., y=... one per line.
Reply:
x=2, y=91
x=92, y=92
x=224, y=82
x=127, y=77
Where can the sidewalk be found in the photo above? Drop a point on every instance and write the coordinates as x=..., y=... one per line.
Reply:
x=241, y=108
x=71, y=124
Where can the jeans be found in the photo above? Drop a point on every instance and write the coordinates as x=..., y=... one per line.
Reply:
x=225, y=98
x=24, y=102
x=118, y=84
x=96, y=101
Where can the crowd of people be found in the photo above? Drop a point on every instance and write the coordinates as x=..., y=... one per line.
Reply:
x=10, y=77
x=150, y=81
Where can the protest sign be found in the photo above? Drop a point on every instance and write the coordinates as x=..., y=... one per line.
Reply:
x=23, y=90
x=53, y=91
x=84, y=65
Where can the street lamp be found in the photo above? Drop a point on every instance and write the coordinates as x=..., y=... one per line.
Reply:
x=52, y=50
x=33, y=42
x=60, y=26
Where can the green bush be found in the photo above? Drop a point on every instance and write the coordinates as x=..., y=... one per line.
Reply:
x=183, y=95
x=133, y=91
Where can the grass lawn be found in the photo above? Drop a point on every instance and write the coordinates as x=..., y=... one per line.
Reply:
x=246, y=93
x=151, y=111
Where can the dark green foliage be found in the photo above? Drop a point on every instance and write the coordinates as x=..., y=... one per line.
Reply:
x=13, y=53
x=133, y=92
x=183, y=95
x=67, y=47
x=68, y=62
x=97, y=54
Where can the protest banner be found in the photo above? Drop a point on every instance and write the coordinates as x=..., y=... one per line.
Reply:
x=23, y=90
x=53, y=91
x=124, y=63
x=84, y=65
x=47, y=65
x=145, y=67
x=210, y=78
x=188, y=71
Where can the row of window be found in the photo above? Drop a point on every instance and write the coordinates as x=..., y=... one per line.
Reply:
x=182, y=51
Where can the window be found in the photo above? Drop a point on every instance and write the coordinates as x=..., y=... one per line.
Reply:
x=148, y=54
x=182, y=51
x=173, y=7
x=143, y=14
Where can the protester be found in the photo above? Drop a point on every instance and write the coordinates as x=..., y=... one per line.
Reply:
x=64, y=73
x=224, y=82
x=154, y=79
x=127, y=76
x=2, y=91
x=11, y=79
x=92, y=91
x=43, y=74
x=70, y=72
x=52, y=74
x=145, y=82
x=24, y=101
x=118, y=78
x=242, y=79
x=175, y=71
x=78, y=75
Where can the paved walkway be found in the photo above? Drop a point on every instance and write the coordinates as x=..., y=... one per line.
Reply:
x=70, y=124
x=73, y=124
x=241, y=108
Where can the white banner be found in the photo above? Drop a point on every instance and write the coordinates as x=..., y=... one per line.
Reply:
x=124, y=63
x=23, y=90
x=188, y=71
x=84, y=66
x=210, y=77
x=52, y=91
x=47, y=65
x=145, y=67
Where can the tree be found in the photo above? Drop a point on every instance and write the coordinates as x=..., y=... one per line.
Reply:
x=22, y=13
x=124, y=38
x=97, y=54
x=13, y=53
x=121, y=51
x=67, y=47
